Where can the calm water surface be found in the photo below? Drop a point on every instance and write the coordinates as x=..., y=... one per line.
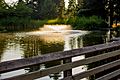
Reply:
x=28, y=44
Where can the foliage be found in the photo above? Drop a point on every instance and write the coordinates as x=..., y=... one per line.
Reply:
x=16, y=15
x=89, y=23
x=93, y=7
x=2, y=4
x=116, y=10
x=17, y=24
x=84, y=23
x=81, y=4
x=43, y=9
x=3, y=7
x=37, y=23
x=117, y=6
x=61, y=9
x=57, y=21
x=48, y=9
x=21, y=10
x=20, y=14
x=72, y=8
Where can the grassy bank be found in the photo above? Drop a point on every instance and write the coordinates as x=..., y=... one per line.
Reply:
x=79, y=23
x=20, y=24
x=82, y=23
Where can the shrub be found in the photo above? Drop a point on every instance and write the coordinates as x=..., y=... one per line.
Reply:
x=84, y=23
x=37, y=23
x=89, y=23
x=18, y=24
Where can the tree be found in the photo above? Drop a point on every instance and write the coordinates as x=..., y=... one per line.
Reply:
x=97, y=7
x=81, y=9
x=81, y=3
x=116, y=11
x=116, y=4
x=22, y=10
x=43, y=9
x=2, y=4
x=3, y=8
x=72, y=8
x=57, y=2
x=61, y=9
x=91, y=7
x=48, y=10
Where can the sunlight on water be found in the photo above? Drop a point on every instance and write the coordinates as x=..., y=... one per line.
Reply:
x=56, y=27
x=8, y=53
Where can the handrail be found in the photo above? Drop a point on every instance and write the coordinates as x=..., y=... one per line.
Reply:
x=71, y=65
x=22, y=63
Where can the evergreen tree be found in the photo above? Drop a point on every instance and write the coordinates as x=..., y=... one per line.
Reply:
x=81, y=3
x=3, y=8
x=36, y=5
x=43, y=9
x=22, y=10
x=97, y=7
x=57, y=2
x=116, y=4
x=61, y=9
x=71, y=8
x=48, y=10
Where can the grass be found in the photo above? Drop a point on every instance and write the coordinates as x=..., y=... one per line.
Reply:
x=20, y=24
x=83, y=23
x=79, y=23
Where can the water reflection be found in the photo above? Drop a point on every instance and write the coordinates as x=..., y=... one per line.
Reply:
x=29, y=44
x=55, y=27
x=2, y=45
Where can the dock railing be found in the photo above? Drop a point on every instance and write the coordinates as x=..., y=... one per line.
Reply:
x=102, y=52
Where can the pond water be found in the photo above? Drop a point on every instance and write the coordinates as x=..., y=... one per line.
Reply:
x=19, y=45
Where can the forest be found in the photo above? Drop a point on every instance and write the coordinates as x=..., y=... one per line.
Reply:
x=81, y=14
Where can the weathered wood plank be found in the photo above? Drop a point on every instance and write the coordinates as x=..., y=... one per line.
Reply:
x=93, y=71
x=67, y=72
x=66, y=66
x=116, y=39
x=22, y=63
x=110, y=75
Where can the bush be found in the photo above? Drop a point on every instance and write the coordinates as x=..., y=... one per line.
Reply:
x=18, y=24
x=83, y=23
x=37, y=23
x=89, y=23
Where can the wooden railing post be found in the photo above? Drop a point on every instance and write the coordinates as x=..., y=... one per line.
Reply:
x=67, y=72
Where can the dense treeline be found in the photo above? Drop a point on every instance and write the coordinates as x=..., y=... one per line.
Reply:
x=34, y=13
x=17, y=14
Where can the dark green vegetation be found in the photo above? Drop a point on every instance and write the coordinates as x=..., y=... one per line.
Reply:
x=32, y=14
x=82, y=23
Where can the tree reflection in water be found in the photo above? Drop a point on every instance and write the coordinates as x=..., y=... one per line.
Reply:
x=39, y=45
x=3, y=39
